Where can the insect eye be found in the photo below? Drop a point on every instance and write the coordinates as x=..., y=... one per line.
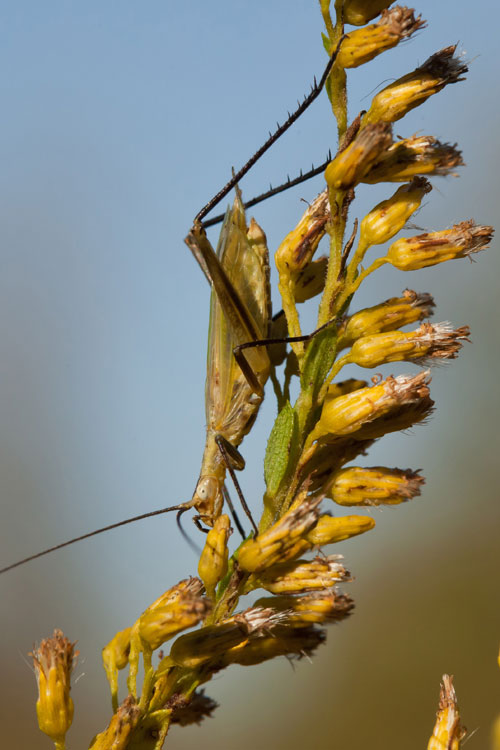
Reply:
x=206, y=488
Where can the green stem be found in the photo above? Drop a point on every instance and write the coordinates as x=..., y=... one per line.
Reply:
x=339, y=364
x=291, y=314
x=336, y=231
x=356, y=259
x=351, y=288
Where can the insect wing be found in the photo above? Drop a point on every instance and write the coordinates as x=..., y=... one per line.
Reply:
x=231, y=404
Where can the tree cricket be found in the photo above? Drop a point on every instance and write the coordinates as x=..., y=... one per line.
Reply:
x=240, y=319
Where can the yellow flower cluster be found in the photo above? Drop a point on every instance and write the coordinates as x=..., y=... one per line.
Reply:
x=315, y=446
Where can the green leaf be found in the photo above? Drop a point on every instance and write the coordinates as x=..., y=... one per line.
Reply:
x=281, y=443
x=320, y=356
x=327, y=44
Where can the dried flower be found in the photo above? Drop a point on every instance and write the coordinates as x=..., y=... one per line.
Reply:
x=282, y=541
x=117, y=735
x=389, y=217
x=284, y=641
x=362, y=45
x=299, y=576
x=390, y=315
x=430, y=341
x=319, y=607
x=424, y=250
x=299, y=246
x=352, y=163
x=348, y=414
x=409, y=157
x=448, y=733
x=158, y=624
x=408, y=92
x=331, y=530
x=375, y=485
x=53, y=662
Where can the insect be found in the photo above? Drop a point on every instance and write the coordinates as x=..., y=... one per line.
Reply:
x=231, y=410
x=240, y=312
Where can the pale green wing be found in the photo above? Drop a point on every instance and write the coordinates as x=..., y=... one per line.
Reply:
x=231, y=405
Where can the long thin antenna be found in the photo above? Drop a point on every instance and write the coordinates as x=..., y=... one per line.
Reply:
x=184, y=534
x=303, y=176
x=183, y=507
x=273, y=137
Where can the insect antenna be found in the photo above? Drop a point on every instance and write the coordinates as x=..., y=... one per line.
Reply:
x=180, y=508
x=303, y=177
x=178, y=519
x=273, y=137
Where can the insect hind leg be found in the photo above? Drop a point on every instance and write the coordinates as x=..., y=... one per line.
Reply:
x=227, y=452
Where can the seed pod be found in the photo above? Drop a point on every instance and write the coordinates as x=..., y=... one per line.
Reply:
x=359, y=12
x=413, y=89
x=117, y=734
x=298, y=576
x=53, y=662
x=299, y=246
x=282, y=542
x=375, y=485
x=346, y=415
x=212, y=566
x=394, y=313
x=409, y=157
x=362, y=45
x=431, y=248
x=448, y=732
x=352, y=163
x=319, y=607
x=330, y=530
x=388, y=217
x=430, y=341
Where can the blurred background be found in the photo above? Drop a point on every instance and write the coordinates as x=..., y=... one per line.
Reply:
x=119, y=121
